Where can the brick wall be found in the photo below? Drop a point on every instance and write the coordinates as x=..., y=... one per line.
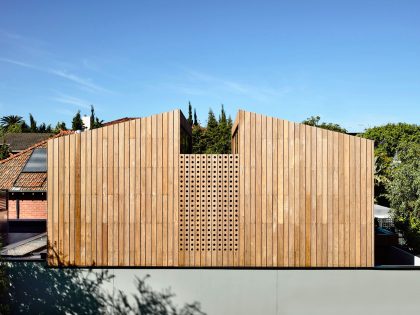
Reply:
x=29, y=209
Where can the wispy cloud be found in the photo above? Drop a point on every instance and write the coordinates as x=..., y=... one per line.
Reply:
x=83, y=82
x=198, y=83
x=71, y=100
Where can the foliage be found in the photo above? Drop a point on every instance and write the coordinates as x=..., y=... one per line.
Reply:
x=215, y=137
x=61, y=125
x=77, y=122
x=11, y=122
x=389, y=140
x=44, y=128
x=94, y=121
x=190, y=117
x=403, y=192
x=195, y=123
x=36, y=289
x=4, y=307
x=32, y=124
x=4, y=151
x=315, y=122
x=147, y=301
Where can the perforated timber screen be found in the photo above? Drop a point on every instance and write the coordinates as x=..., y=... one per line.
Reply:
x=209, y=209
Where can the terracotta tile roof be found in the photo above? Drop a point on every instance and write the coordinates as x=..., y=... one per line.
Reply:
x=117, y=121
x=11, y=177
x=22, y=141
x=31, y=180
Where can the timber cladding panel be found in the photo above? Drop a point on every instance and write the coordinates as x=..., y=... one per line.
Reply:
x=291, y=195
x=306, y=195
x=113, y=194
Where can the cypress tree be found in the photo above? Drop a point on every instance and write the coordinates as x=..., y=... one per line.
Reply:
x=190, y=118
x=32, y=123
x=195, y=118
x=92, y=117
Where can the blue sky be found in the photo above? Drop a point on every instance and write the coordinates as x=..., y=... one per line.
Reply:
x=356, y=63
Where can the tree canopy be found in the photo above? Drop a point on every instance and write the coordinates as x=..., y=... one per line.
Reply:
x=315, y=121
x=215, y=137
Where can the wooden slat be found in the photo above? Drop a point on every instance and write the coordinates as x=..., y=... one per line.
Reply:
x=314, y=197
x=308, y=194
x=94, y=174
x=324, y=194
x=352, y=209
x=72, y=196
x=254, y=172
x=274, y=179
x=330, y=196
x=341, y=201
x=137, y=193
x=291, y=196
x=99, y=198
x=335, y=209
x=286, y=209
x=280, y=194
x=88, y=199
x=264, y=195
x=131, y=170
x=269, y=183
x=61, y=191
x=50, y=201
x=363, y=205
x=143, y=191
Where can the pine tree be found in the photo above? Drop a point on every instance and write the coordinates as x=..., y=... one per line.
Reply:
x=77, y=122
x=190, y=118
x=32, y=123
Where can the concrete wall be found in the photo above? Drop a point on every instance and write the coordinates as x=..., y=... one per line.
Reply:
x=256, y=291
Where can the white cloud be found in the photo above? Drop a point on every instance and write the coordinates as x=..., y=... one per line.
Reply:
x=83, y=82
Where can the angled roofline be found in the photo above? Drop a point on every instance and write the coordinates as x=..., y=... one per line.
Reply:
x=62, y=133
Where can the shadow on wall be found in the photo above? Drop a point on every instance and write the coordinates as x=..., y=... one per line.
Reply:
x=37, y=289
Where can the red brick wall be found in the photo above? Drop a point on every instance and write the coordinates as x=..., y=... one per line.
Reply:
x=29, y=209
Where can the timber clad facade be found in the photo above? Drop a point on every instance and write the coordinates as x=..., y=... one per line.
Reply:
x=290, y=195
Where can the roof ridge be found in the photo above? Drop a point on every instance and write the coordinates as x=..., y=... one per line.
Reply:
x=60, y=134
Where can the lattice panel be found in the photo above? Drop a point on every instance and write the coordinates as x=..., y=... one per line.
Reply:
x=208, y=209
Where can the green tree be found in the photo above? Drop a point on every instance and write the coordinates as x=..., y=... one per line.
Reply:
x=315, y=121
x=195, y=123
x=198, y=139
x=12, y=123
x=77, y=122
x=190, y=117
x=42, y=128
x=4, y=151
x=403, y=192
x=32, y=124
x=211, y=134
x=389, y=140
x=61, y=125
x=94, y=120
